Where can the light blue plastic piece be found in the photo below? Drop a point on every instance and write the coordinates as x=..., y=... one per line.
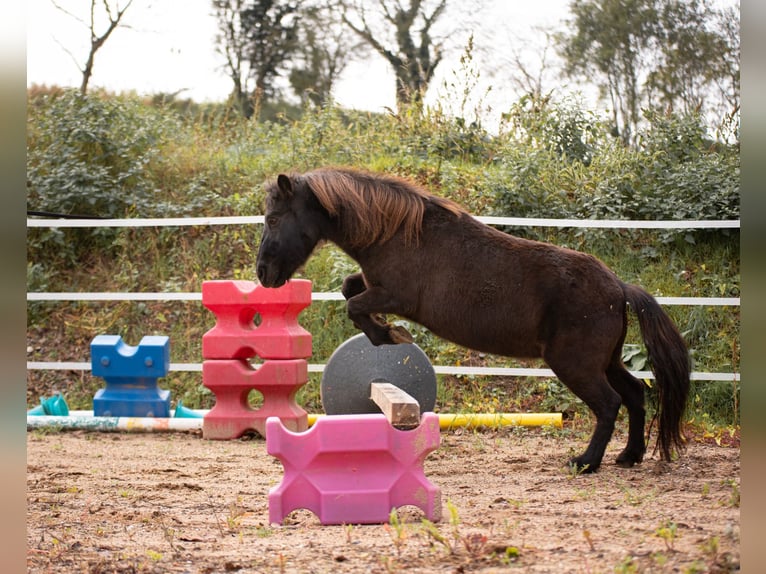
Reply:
x=183, y=412
x=52, y=406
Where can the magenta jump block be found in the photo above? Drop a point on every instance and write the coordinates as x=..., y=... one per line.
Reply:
x=235, y=335
x=232, y=381
x=353, y=469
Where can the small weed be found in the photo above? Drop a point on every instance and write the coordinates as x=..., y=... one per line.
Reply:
x=734, y=496
x=433, y=533
x=397, y=530
x=668, y=531
x=510, y=554
x=235, y=515
x=233, y=522
x=589, y=539
x=634, y=498
x=281, y=562
x=154, y=556
x=710, y=548
x=575, y=470
x=475, y=543
x=454, y=521
x=40, y=432
x=627, y=566
x=169, y=534
x=660, y=559
x=586, y=493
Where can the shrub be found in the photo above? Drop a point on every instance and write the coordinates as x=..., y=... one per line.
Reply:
x=87, y=155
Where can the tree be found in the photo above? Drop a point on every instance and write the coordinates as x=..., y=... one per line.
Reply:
x=406, y=39
x=653, y=54
x=324, y=50
x=529, y=77
x=258, y=38
x=271, y=30
x=609, y=47
x=727, y=78
x=231, y=42
x=114, y=15
x=691, y=56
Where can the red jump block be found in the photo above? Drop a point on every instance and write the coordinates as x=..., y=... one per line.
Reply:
x=235, y=335
x=353, y=469
x=232, y=380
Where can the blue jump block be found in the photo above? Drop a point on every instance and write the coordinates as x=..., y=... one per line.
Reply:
x=131, y=375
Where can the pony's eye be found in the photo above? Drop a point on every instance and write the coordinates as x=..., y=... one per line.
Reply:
x=272, y=220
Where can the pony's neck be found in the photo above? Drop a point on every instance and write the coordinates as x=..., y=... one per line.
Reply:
x=336, y=236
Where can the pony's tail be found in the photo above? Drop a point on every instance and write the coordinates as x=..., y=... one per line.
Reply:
x=669, y=358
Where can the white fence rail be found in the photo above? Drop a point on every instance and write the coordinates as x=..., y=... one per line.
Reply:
x=320, y=296
x=440, y=370
x=489, y=220
x=445, y=369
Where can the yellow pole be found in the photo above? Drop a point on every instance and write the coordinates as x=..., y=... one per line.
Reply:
x=493, y=420
x=489, y=420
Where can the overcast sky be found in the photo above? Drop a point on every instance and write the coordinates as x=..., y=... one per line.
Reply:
x=168, y=45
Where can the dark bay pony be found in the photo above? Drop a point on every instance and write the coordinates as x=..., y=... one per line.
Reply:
x=426, y=259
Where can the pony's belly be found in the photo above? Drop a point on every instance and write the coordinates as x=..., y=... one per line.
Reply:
x=484, y=339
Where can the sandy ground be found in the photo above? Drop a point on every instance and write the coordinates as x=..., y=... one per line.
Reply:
x=109, y=502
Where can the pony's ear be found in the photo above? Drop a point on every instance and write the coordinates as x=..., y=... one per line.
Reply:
x=285, y=185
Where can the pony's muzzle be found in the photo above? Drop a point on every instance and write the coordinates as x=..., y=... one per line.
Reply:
x=261, y=270
x=268, y=276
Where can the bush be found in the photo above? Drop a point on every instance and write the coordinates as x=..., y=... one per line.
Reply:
x=560, y=162
x=674, y=174
x=87, y=156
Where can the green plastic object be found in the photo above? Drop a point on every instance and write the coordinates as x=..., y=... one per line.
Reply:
x=52, y=406
x=182, y=412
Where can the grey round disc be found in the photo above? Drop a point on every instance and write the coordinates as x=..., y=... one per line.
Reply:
x=345, y=387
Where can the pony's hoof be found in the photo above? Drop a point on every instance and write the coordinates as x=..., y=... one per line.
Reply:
x=628, y=460
x=400, y=335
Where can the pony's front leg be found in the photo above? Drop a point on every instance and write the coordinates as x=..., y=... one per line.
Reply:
x=365, y=305
x=353, y=285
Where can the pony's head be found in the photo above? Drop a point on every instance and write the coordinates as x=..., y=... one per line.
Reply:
x=352, y=208
x=293, y=227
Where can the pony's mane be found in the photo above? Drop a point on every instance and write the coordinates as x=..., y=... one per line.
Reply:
x=373, y=207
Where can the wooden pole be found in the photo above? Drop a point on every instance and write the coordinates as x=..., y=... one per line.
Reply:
x=401, y=409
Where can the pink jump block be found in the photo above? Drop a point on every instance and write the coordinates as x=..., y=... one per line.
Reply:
x=232, y=380
x=236, y=304
x=353, y=469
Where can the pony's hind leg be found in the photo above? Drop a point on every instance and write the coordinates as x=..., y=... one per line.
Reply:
x=364, y=306
x=593, y=388
x=632, y=392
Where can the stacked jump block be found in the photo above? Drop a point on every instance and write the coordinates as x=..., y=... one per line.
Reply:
x=131, y=375
x=354, y=469
x=277, y=339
